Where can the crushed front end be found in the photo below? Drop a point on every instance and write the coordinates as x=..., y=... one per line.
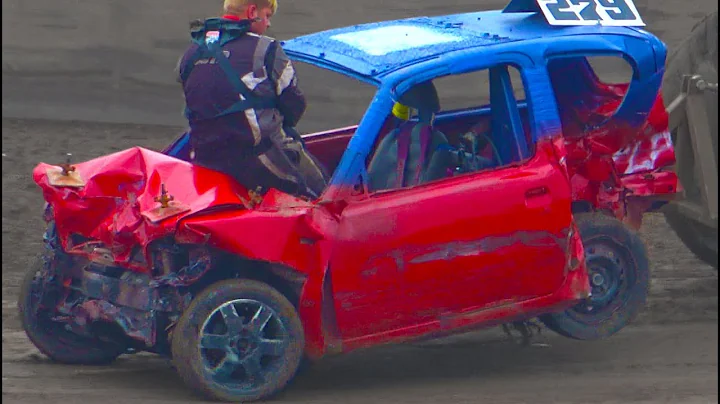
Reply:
x=95, y=297
x=112, y=269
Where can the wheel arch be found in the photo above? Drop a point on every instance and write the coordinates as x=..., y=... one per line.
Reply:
x=310, y=294
x=287, y=280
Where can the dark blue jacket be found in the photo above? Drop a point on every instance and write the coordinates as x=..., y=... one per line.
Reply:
x=265, y=69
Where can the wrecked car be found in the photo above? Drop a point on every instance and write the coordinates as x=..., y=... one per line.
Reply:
x=455, y=220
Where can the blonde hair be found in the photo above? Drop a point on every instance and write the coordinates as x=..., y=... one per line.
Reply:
x=237, y=6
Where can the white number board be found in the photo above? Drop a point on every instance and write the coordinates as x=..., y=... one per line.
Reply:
x=619, y=13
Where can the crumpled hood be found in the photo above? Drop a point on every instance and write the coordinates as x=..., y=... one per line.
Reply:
x=116, y=202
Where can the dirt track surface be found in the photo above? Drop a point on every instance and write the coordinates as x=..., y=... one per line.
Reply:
x=65, y=71
x=669, y=364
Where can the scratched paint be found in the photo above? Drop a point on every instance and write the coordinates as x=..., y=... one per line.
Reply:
x=488, y=245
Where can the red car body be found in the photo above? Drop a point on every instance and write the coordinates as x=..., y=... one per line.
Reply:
x=353, y=294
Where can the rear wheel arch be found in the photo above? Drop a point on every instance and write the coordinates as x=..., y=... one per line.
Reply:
x=619, y=256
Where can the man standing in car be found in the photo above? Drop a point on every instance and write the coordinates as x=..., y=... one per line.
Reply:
x=240, y=93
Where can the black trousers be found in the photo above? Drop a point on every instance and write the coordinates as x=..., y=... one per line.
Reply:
x=272, y=168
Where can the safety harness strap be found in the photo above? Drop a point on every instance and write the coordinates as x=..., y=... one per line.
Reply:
x=425, y=138
x=403, y=141
x=403, y=149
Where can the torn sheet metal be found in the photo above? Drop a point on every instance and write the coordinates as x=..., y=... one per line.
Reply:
x=117, y=204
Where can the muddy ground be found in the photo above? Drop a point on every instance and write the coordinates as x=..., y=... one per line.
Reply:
x=669, y=356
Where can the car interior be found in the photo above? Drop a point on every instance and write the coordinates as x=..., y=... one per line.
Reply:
x=481, y=137
x=436, y=143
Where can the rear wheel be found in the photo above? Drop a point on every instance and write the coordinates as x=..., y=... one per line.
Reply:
x=619, y=272
x=698, y=54
x=239, y=340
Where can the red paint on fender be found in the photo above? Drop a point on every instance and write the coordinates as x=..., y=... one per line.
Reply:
x=121, y=187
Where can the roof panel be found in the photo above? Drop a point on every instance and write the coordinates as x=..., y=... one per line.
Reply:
x=371, y=49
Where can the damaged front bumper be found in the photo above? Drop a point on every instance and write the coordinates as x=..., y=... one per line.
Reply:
x=114, y=303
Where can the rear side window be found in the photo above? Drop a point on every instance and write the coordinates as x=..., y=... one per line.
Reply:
x=588, y=90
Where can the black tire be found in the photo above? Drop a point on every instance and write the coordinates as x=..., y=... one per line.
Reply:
x=697, y=54
x=206, y=315
x=618, y=255
x=51, y=338
x=306, y=364
x=700, y=240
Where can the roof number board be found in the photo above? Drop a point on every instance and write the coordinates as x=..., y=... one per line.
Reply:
x=619, y=13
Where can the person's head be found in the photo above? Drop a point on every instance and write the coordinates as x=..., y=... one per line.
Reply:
x=258, y=11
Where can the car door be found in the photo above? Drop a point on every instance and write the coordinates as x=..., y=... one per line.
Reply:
x=405, y=257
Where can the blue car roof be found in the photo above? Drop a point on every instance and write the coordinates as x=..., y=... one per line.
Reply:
x=370, y=51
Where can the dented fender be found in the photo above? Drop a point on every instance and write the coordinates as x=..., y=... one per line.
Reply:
x=280, y=229
x=131, y=198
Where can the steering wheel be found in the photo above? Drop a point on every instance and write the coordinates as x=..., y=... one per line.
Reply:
x=472, y=135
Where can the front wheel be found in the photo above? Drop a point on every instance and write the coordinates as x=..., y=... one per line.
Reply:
x=619, y=270
x=239, y=340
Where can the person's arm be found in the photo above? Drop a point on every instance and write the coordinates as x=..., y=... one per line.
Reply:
x=177, y=68
x=290, y=99
x=178, y=78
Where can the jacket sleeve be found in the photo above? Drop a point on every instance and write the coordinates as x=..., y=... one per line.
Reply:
x=291, y=100
x=178, y=66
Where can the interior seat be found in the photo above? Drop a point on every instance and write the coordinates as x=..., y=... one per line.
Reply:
x=415, y=152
